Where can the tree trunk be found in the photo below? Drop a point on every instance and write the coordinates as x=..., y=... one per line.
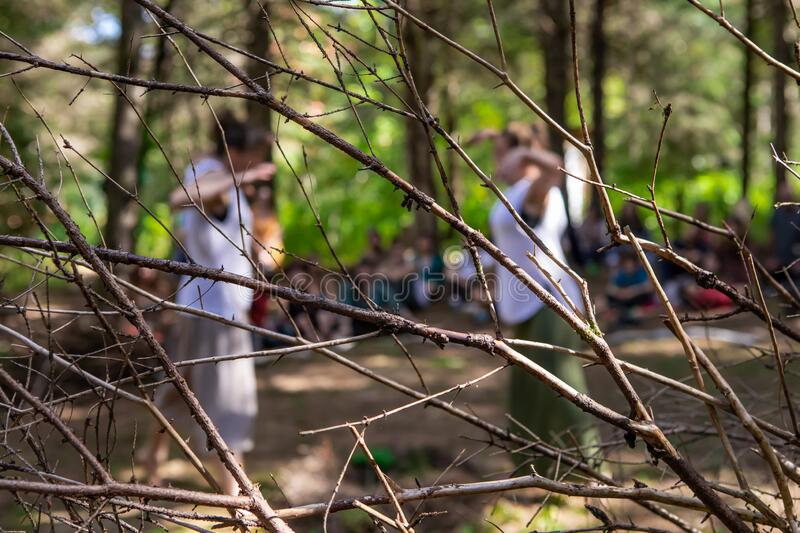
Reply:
x=258, y=44
x=780, y=115
x=420, y=61
x=747, y=104
x=554, y=40
x=448, y=109
x=158, y=106
x=598, y=131
x=126, y=137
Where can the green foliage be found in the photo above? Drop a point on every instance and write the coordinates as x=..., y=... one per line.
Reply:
x=152, y=237
x=348, y=199
x=662, y=47
x=384, y=457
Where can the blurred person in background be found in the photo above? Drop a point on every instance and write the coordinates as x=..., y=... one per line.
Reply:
x=268, y=255
x=628, y=217
x=630, y=294
x=215, y=224
x=534, y=181
x=702, y=248
x=786, y=233
x=428, y=280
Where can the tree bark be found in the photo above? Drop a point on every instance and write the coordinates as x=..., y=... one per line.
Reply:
x=258, y=44
x=126, y=137
x=747, y=104
x=157, y=106
x=554, y=34
x=554, y=40
x=420, y=60
x=780, y=115
x=598, y=132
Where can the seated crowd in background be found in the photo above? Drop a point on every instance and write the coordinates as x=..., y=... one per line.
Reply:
x=409, y=274
x=225, y=217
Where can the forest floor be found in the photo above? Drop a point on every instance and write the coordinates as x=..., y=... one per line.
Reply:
x=418, y=445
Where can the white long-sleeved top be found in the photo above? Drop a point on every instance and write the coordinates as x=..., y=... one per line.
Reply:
x=514, y=301
x=211, y=246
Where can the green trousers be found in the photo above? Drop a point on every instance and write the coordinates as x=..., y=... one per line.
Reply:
x=538, y=407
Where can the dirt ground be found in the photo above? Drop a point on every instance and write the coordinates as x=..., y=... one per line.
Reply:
x=306, y=391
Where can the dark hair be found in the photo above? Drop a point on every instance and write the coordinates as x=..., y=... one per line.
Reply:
x=238, y=134
x=627, y=254
x=527, y=135
x=544, y=159
x=516, y=134
x=630, y=217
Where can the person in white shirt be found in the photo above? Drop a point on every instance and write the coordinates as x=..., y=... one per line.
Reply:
x=214, y=222
x=534, y=193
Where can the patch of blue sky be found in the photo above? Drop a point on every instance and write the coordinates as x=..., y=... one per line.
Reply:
x=103, y=27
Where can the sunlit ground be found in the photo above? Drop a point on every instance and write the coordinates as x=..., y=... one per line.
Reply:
x=306, y=391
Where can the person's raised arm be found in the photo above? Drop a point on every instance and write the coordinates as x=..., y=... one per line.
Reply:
x=546, y=176
x=210, y=187
x=510, y=170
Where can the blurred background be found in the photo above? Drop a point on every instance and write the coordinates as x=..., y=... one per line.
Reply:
x=730, y=114
x=727, y=107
